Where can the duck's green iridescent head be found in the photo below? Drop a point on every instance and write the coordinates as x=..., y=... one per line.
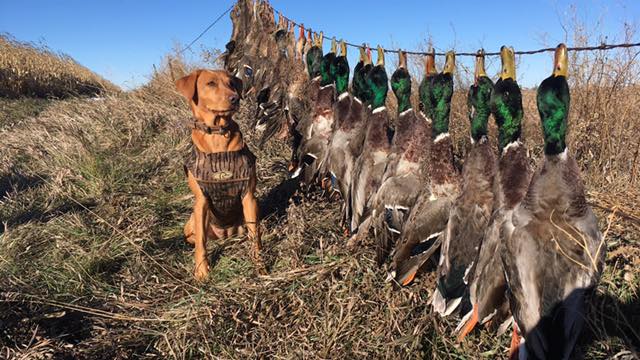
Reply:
x=478, y=100
x=506, y=101
x=327, y=67
x=378, y=82
x=553, y=101
x=401, y=83
x=359, y=86
x=425, y=90
x=314, y=56
x=441, y=99
x=341, y=70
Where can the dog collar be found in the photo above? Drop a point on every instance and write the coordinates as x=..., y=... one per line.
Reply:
x=222, y=130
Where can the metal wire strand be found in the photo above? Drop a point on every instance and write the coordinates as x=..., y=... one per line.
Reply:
x=602, y=46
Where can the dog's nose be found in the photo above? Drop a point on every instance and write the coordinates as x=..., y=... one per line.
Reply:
x=235, y=99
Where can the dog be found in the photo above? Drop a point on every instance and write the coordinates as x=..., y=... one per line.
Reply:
x=221, y=170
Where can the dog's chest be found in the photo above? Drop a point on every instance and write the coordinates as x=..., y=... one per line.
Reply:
x=224, y=179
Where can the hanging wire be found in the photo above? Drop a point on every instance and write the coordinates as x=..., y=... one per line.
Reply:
x=206, y=29
x=602, y=46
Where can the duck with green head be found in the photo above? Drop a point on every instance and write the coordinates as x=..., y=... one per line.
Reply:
x=393, y=202
x=341, y=108
x=359, y=87
x=353, y=127
x=426, y=86
x=469, y=216
x=372, y=161
x=316, y=139
x=555, y=255
x=314, y=55
x=428, y=217
x=485, y=303
x=348, y=136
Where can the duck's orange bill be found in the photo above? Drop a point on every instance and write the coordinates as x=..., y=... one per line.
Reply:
x=471, y=323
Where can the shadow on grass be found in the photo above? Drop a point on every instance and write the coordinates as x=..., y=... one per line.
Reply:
x=42, y=215
x=14, y=181
x=275, y=203
x=40, y=330
x=611, y=319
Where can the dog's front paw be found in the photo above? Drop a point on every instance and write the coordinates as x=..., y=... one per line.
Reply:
x=202, y=271
x=258, y=263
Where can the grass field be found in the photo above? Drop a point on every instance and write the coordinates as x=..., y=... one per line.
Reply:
x=93, y=265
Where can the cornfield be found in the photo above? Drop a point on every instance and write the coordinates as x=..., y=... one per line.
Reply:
x=28, y=70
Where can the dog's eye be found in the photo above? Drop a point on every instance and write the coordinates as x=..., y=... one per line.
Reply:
x=248, y=71
x=211, y=83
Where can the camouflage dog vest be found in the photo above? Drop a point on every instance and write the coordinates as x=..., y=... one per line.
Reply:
x=224, y=180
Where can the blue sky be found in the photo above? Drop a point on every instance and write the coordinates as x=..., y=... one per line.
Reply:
x=122, y=40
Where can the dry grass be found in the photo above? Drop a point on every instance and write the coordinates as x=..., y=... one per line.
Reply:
x=93, y=199
x=35, y=71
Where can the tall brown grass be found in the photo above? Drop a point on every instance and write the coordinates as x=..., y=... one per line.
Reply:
x=35, y=71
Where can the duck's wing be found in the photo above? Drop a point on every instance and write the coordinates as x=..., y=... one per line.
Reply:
x=468, y=222
x=550, y=277
x=366, y=184
x=486, y=299
x=421, y=236
x=392, y=203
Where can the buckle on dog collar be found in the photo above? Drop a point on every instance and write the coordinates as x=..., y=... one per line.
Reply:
x=222, y=130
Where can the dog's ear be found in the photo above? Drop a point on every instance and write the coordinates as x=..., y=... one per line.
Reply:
x=236, y=84
x=187, y=86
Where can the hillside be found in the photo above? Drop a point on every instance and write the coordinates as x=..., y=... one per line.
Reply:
x=35, y=71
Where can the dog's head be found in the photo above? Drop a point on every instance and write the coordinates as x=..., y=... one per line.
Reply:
x=213, y=92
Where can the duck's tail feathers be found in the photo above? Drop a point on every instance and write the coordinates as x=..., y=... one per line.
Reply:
x=384, y=235
x=505, y=326
x=388, y=227
x=438, y=302
x=271, y=121
x=406, y=271
x=360, y=233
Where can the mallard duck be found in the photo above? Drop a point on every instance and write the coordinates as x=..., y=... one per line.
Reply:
x=428, y=216
x=267, y=27
x=359, y=87
x=392, y=201
x=317, y=135
x=314, y=56
x=280, y=114
x=241, y=18
x=425, y=89
x=372, y=161
x=309, y=43
x=272, y=118
x=305, y=92
x=292, y=43
x=350, y=113
x=300, y=44
x=336, y=163
x=471, y=211
x=487, y=299
x=555, y=255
